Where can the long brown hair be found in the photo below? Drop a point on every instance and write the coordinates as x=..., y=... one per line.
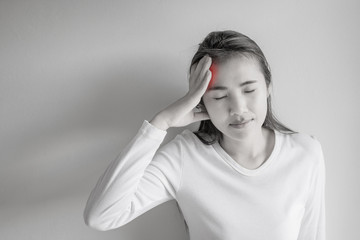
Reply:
x=221, y=45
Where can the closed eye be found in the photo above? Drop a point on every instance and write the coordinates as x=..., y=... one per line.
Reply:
x=250, y=91
x=220, y=98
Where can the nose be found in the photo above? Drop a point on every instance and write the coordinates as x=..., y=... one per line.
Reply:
x=238, y=106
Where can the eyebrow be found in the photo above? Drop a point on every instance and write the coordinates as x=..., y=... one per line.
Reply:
x=224, y=88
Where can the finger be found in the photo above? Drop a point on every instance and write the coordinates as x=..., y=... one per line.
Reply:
x=192, y=70
x=199, y=68
x=200, y=116
x=205, y=70
x=193, y=67
x=202, y=84
x=199, y=81
x=206, y=81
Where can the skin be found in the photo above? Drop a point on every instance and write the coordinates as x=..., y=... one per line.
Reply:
x=181, y=112
x=239, y=95
x=249, y=144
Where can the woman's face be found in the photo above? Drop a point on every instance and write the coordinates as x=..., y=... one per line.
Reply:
x=236, y=101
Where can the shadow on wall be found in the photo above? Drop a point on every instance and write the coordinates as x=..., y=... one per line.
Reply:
x=135, y=89
x=130, y=93
x=82, y=123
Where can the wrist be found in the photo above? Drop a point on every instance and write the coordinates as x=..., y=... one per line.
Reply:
x=160, y=122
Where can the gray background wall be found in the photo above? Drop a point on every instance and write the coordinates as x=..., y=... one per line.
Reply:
x=77, y=78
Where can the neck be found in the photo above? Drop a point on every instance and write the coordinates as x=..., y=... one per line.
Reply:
x=249, y=148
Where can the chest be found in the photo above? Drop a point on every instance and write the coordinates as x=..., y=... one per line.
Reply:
x=221, y=202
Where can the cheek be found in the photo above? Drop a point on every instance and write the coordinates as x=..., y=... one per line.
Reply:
x=260, y=98
x=215, y=110
x=261, y=104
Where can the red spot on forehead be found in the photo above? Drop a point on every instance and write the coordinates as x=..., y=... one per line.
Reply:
x=213, y=70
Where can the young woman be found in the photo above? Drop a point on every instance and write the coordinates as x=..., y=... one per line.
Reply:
x=242, y=175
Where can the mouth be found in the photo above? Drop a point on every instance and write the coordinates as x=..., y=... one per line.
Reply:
x=238, y=124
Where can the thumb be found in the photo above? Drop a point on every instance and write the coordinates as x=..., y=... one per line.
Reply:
x=200, y=116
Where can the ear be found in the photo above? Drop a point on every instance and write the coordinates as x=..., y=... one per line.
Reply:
x=269, y=90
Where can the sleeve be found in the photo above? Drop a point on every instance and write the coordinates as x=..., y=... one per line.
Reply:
x=313, y=222
x=140, y=178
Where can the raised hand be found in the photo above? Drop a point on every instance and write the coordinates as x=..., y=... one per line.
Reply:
x=182, y=112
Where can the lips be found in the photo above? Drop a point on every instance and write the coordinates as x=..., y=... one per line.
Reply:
x=238, y=124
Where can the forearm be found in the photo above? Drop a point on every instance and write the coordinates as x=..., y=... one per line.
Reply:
x=109, y=201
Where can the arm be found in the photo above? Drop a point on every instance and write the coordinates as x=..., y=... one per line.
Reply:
x=139, y=179
x=313, y=223
x=132, y=184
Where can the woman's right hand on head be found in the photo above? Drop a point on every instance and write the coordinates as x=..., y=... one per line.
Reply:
x=182, y=112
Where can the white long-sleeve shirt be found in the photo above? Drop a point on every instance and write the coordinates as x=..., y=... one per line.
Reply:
x=283, y=199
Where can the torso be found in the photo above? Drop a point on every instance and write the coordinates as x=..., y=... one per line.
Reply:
x=220, y=199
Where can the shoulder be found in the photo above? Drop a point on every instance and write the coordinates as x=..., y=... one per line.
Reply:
x=302, y=141
x=188, y=139
x=185, y=141
x=304, y=145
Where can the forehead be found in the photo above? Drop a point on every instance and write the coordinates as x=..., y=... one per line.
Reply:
x=238, y=67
